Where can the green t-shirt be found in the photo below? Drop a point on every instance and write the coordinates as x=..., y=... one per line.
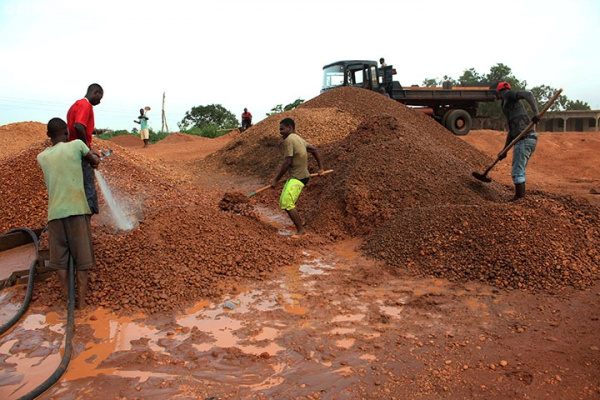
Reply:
x=143, y=123
x=61, y=165
x=294, y=146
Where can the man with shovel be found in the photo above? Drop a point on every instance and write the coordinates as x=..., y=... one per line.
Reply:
x=295, y=161
x=518, y=120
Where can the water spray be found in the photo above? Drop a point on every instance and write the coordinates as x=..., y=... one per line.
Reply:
x=121, y=220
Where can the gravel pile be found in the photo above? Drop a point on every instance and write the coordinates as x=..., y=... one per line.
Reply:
x=256, y=151
x=538, y=244
x=17, y=137
x=400, y=180
x=404, y=183
x=184, y=249
x=385, y=166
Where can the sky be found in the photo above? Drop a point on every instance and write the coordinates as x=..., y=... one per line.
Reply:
x=258, y=54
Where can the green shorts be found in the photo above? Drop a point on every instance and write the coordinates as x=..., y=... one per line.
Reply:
x=290, y=193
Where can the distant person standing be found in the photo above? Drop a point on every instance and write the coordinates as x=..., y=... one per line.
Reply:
x=69, y=229
x=518, y=119
x=80, y=122
x=295, y=163
x=382, y=62
x=143, y=121
x=246, y=119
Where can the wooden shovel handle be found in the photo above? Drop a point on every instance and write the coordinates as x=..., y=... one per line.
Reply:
x=531, y=124
x=324, y=172
x=269, y=185
x=262, y=189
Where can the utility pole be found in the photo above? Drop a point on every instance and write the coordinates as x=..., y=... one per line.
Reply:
x=165, y=127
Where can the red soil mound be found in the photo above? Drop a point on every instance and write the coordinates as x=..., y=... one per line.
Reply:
x=405, y=183
x=19, y=136
x=127, y=141
x=540, y=243
x=184, y=249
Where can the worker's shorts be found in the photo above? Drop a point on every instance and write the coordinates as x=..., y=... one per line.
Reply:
x=145, y=134
x=71, y=236
x=522, y=152
x=290, y=193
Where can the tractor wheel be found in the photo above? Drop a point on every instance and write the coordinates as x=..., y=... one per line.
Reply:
x=459, y=122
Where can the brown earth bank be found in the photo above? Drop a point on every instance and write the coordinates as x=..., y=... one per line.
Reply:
x=415, y=281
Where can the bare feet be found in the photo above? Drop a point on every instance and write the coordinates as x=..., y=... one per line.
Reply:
x=300, y=235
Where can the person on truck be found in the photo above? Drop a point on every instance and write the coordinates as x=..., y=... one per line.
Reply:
x=383, y=92
x=518, y=120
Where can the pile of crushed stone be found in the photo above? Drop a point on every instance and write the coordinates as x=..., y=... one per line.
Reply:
x=256, y=152
x=387, y=165
x=184, y=249
x=540, y=243
x=238, y=203
x=17, y=137
x=401, y=181
x=405, y=184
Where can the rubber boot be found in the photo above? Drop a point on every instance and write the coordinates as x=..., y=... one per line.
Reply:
x=519, y=191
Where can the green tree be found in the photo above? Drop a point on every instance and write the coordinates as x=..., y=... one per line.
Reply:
x=544, y=93
x=430, y=82
x=434, y=82
x=276, y=110
x=470, y=77
x=577, y=105
x=279, y=107
x=211, y=115
x=293, y=105
x=500, y=73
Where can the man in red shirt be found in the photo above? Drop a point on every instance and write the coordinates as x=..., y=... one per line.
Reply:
x=246, y=119
x=80, y=122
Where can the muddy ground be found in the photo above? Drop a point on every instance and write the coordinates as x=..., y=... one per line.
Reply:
x=321, y=318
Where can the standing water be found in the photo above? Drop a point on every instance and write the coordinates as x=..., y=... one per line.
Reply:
x=121, y=220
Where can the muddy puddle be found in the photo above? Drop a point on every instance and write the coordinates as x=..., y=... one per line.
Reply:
x=294, y=335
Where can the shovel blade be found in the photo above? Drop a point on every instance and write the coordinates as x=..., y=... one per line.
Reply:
x=482, y=177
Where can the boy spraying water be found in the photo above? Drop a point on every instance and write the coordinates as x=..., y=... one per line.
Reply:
x=69, y=214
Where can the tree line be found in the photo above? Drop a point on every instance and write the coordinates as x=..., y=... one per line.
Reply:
x=500, y=73
x=217, y=117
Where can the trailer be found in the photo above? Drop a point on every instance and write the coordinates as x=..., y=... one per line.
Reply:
x=453, y=107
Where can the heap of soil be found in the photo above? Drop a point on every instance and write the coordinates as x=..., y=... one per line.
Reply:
x=256, y=151
x=388, y=165
x=184, y=249
x=17, y=137
x=405, y=184
x=127, y=140
x=540, y=243
x=238, y=203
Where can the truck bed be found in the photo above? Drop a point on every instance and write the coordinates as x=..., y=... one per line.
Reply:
x=424, y=96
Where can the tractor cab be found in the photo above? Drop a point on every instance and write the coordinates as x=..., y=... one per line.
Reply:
x=356, y=73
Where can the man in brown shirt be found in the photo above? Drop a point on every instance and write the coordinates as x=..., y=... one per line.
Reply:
x=295, y=162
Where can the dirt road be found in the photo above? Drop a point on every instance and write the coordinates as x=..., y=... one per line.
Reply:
x=331, y=324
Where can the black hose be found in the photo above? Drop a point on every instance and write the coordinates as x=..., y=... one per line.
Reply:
x=29, y=292
x=66, y=359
